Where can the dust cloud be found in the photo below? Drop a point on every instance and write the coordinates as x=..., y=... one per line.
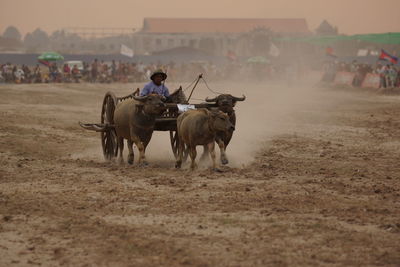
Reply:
x=268, y=111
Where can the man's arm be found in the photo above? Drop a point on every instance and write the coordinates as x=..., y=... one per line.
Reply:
x=166, y=91
x=145, y=90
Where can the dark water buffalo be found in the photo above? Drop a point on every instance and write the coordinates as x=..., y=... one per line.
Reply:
x=178, y=96
x=134, y=120
x=225, y=103
x=200, y=127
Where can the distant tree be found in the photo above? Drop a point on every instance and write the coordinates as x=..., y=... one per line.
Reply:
x=74, y=37
x=12, y=33
x=57, y=35
x=37, y=39
x=61, y=35
x=64, y=41
x=325, y=28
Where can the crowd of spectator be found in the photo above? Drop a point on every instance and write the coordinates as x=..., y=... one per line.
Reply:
x=102, y=72
x=109, y=72
x=389, y=74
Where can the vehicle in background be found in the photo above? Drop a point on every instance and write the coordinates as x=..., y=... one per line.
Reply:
x=78, y=63
x=75, y=75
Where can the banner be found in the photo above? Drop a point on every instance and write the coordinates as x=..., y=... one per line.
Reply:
x=344, y=78
x=371, y=81
x=362, y=52
x=126, y=51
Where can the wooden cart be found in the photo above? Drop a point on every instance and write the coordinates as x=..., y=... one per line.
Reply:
x=166, y=122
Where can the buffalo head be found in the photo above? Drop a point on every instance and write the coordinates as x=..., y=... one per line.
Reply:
x=219, y=121
x=152, y=104
x=226, y=102
x=178, y=96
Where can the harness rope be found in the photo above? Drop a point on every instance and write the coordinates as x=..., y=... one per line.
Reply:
x=214, y=92
x=195, y=82
x=190, y=85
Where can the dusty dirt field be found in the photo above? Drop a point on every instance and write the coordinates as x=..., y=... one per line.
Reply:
x=314, y=179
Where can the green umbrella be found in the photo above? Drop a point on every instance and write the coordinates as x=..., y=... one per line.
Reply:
x=51, y=56
x=258, y=60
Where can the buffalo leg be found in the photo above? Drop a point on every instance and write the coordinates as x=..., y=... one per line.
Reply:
x=131, y=156
x=193, y=154
x=142, y=157
x=181, y=148
x=141, y=148
x=211, y=148
x=140, y=145
x=205, y=154
x=121, y=149
x=224, y=159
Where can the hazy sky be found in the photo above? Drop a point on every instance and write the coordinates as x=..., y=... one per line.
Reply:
x=351, y=16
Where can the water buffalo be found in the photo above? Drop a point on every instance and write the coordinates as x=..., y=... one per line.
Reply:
x=225, y=103
x=134, y=120
x=199, y=127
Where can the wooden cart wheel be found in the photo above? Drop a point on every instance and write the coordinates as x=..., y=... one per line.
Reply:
x=173, y=135
x=109, y=141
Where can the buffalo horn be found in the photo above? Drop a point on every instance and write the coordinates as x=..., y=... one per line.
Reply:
x=93, y=127
x=240, y=98
x=140, y=98
x=211, y=100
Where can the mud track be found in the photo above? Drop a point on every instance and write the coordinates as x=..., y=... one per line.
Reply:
x=314, y=179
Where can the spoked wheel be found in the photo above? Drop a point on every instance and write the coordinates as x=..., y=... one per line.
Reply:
x=173, y=135
x=109, y=140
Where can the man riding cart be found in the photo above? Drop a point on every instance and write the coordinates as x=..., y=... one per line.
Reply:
x=156, y=86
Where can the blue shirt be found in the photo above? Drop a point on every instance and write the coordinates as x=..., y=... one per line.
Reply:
x=152, y=88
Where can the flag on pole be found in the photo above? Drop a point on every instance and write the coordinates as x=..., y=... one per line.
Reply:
x=126, y=51
x=274, y=50
x=386, y=56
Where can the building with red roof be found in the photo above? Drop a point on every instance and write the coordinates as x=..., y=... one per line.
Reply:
x=219, y=25
x=216, y=36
